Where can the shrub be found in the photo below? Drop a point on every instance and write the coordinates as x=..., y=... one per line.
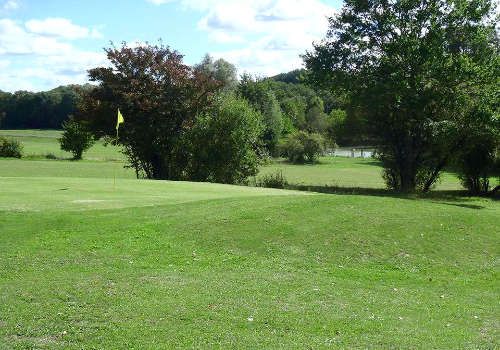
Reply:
x=76, y=138
x=10, y=148
x=224, y=143
x=276, y=180
x=477, y=163
x=303, y=147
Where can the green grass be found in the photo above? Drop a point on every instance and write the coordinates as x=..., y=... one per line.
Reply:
x=85, y=264
x=39, y=143
x=345, y=172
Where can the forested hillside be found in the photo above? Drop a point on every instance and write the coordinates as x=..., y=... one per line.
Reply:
x=37, y=110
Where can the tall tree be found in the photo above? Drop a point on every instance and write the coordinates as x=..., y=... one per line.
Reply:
x=414, y=70
x=220, y=70
x=159, y=97
x=263, y=99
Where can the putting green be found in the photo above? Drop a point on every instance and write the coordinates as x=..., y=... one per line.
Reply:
x=51, y=193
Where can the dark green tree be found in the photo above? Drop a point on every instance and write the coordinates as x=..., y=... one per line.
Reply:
x=40, y=110
x=477, y=160
x=412, y=70
x=10, y=148
x=76, y=138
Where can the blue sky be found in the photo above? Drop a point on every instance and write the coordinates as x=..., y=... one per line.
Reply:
x=47, y=43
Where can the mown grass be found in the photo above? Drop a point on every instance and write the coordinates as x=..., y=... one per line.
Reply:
x=85, y=264
x=345, y=172
x=39, y=143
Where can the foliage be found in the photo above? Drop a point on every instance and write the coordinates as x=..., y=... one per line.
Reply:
x=303, y=147
x=40, y=110
x=76, y=138
x=316, y=118
x=159, y=97
x=10, y=148
x=263, y=99
x=478, y=160
x=293, y=77
x=224, y=143
x=415, y=72
x=220, y=70
x=273, y=180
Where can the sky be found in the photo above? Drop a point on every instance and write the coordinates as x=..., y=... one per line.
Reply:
x=48, y=43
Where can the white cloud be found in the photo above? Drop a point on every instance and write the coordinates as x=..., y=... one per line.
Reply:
x=274, y=32
x=10, y=5
x=60, y=27
x=41, y=60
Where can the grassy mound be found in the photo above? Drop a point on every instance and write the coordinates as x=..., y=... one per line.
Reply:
x=222, y=266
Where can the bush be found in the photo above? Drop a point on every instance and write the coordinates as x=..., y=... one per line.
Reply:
x=477, y=162
x=303, y=147
x=10, y=148
x=76, y=138
x=224, y=143
x=276, y=180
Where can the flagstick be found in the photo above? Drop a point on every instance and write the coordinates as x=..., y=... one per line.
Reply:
x=114, y=168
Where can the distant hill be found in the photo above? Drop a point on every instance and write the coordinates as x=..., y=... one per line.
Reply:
x=292, y=77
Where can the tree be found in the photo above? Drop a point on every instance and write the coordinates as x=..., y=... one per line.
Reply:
x=415, y=72
x=478, y=159
x=10, y=148
x=159, y=97
x=224, y=142
x=76, y=138
x=294, y=109
x=263, y=99
x=316, y=118
x=220, y=70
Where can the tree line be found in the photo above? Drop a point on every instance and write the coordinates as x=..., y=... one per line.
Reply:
x=38, y=110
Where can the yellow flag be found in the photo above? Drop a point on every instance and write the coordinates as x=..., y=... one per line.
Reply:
x=119, y=120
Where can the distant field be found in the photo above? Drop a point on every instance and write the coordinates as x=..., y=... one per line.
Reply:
x=39, y=143
x=87, y=263
x=345, y=172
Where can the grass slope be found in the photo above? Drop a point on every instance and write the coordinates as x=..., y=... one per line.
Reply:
x=295, y=271
x=85, y=264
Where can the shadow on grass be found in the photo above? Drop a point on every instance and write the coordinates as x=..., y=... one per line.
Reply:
x=462, y=205
x=371, y=162
x=438, y=196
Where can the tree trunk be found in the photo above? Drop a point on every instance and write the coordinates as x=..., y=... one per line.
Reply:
x=158, y=165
